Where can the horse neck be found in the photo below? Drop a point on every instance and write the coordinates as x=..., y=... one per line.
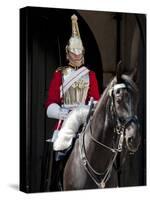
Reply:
x=101, y=129
x=98, y=122
x=101, y=126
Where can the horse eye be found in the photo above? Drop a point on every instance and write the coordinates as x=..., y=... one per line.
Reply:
x=117, y=92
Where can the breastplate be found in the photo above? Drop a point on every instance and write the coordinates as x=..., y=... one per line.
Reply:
x=77, y=93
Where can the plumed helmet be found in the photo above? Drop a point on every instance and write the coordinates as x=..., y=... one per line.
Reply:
x=75, y=43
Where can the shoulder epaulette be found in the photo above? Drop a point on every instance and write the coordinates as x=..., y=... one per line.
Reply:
x=59, y=69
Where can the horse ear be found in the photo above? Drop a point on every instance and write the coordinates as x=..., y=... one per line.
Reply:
x=133, y=74
x=119, y=71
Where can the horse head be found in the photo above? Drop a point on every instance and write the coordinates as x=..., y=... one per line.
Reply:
x=124, y=94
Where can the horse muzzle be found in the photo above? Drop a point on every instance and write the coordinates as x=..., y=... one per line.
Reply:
x=131, y=134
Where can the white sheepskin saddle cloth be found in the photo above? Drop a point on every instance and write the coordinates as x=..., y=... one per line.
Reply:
x=70, y=127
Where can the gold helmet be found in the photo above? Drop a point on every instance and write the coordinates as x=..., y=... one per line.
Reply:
x=75, y=43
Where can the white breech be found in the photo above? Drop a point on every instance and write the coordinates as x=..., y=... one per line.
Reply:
x=70, y=127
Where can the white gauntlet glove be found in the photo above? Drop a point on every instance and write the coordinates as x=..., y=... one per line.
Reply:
x=56, y=112
x=63, y=113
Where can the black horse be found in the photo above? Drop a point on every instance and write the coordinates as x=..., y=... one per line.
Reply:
x=113, y=129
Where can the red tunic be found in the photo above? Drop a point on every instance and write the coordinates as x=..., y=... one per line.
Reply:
x=56, y=82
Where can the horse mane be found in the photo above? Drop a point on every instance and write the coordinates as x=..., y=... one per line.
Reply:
x=105, y=96
x=102, y=107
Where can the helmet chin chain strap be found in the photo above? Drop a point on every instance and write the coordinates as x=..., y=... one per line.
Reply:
x=119, y=130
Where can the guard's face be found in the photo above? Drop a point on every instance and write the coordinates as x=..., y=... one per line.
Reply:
x=75, y=59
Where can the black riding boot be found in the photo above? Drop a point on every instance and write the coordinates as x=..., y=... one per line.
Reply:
x=57, y=175
x=59, y=161
x=46, y=168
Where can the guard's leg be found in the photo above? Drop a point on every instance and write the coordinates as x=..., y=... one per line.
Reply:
x=46, y=169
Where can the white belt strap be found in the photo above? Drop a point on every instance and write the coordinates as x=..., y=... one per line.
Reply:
x=74, y=76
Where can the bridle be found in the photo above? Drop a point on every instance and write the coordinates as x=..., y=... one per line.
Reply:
x=100, y=179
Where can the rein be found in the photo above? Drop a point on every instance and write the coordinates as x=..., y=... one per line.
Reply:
x=89, y=169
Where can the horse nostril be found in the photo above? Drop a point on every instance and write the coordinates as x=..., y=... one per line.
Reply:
x=130, y=140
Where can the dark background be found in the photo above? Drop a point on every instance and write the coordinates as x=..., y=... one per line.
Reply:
x=107, y=38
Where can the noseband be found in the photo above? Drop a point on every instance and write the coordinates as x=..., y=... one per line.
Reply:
x=100, y=179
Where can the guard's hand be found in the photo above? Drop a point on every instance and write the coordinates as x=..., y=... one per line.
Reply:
x=63, y=113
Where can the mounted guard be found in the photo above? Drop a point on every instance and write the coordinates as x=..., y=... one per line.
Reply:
x=71, y=88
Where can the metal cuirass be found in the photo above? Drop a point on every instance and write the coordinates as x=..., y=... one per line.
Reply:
x=77, y=93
